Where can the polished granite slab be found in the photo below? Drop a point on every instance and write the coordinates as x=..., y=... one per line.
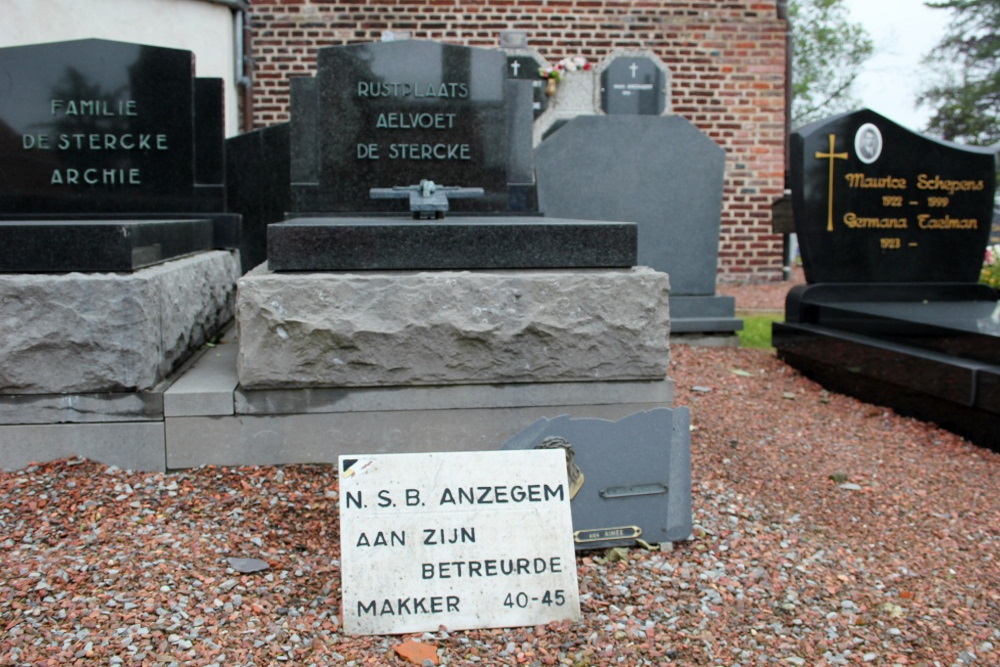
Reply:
x=501, y=242
x=62, y=246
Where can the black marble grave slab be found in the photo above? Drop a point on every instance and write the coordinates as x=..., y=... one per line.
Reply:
x=394, y=113
x=58, y=246
x=876, y=202
x=257, y=186
x=95, y=126
x=930, y=350
x=959, y=395
x=503, y=242
x=664, y=174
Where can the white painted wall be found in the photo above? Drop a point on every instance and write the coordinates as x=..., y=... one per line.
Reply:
x=203, y=27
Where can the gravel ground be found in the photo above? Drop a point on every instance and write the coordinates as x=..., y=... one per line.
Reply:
x=827, y=532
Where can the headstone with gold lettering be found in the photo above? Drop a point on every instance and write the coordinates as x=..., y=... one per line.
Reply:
x=876, y=202
x=893, y=227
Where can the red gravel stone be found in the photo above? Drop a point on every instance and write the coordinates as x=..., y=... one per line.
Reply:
x=827, y=532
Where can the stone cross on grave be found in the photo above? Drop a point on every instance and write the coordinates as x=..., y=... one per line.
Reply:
x=633, y=68
x=428, y=200
x=830, y=155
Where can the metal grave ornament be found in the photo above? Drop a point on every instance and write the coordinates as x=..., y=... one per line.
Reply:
x=428, y=200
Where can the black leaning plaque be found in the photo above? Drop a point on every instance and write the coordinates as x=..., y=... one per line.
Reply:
x=633, y=85
x=395, y=113
x=95, y=126
x=875, y=202
x=59, y=246
x=357, y=244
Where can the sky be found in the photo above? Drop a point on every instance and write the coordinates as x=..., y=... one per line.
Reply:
x=903, y=31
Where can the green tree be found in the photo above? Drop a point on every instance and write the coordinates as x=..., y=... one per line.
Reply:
x=828, y=52
x=965, y=96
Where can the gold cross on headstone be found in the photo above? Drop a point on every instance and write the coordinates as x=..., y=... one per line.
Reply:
x=831, y=156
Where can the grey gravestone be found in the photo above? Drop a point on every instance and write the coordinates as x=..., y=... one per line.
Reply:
x=634, y=85
x=631, y=477
x=665, y=175
x=101, y=144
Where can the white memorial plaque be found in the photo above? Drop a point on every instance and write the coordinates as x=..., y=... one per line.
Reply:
x=461, y=540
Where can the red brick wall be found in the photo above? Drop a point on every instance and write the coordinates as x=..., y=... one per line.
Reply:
x=726, y=59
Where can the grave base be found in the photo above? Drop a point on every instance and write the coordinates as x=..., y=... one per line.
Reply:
x=201, y=416
x=928, y=351
x=704, y=316
x=389, y=329
x=110, y=332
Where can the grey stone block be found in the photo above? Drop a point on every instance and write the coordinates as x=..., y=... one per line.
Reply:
x=660, y=172
x=454, y=397
x=390, y=329
x=636, y=475
x=100, y=332
x=321, y=438
x=80, y=408
x=207, y=387
x=132, y=446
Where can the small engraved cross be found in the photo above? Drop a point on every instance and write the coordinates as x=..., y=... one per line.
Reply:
x=514, y=65
x=633, y=67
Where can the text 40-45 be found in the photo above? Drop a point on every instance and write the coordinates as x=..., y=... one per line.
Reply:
x=522, y=599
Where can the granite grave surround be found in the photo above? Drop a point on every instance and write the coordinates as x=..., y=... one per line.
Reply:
x=893, y=227
x=201, y=415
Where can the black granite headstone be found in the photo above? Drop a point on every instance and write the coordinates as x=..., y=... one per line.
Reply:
x=257, y=185
x=877, y=203
x=111, y=157
x=633, y=85
x=893, y=228
x=94, y=126
x=395, y=113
